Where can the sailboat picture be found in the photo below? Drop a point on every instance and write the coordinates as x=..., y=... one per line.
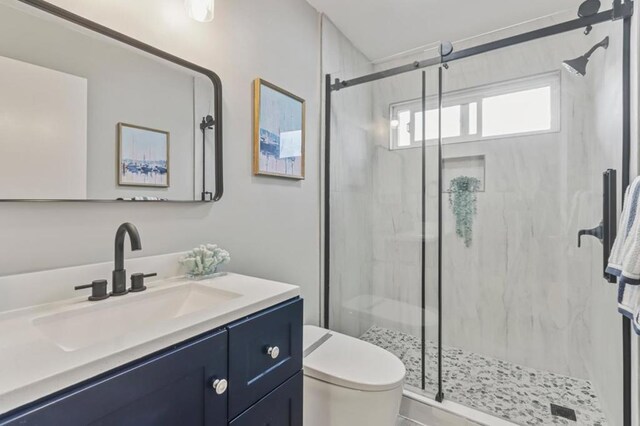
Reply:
x=143, y=158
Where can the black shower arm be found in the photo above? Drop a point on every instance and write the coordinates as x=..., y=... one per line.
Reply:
x=604, y=44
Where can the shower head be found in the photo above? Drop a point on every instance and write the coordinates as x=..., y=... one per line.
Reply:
x=578, y=66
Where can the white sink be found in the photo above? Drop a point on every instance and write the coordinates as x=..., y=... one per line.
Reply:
x=118, y=316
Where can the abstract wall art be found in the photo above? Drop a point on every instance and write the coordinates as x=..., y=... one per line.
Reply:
x=278, y=132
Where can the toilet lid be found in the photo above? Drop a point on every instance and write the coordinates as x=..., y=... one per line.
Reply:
x=348, y=362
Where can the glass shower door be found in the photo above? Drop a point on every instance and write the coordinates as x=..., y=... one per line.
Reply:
x=531, y=331
x=381, y=236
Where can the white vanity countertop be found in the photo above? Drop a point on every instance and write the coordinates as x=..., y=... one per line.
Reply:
x=33, y=364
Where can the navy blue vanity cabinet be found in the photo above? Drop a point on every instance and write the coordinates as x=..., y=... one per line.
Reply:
x=265, y=350
x=172, y=388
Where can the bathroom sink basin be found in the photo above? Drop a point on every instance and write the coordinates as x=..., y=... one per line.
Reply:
x=118, y=316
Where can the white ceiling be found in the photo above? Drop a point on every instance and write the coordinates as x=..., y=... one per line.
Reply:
x=382, y=28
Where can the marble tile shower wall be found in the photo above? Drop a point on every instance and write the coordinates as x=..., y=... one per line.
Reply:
x=397, y=177
x=523, y=291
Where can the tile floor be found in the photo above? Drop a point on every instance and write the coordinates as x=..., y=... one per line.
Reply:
x=519, y=394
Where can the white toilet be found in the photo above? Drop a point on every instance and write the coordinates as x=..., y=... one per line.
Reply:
x=349, y=382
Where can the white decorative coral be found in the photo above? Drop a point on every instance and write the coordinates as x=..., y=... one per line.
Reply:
x=205, y=259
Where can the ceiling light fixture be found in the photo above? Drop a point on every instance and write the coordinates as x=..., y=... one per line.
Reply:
x=200, y=10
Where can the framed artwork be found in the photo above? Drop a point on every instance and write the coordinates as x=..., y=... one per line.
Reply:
x=278, y=132
x=143, y=156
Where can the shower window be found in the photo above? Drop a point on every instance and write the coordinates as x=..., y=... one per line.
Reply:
x=451, y=123
x=507, y=114
x=522, y=107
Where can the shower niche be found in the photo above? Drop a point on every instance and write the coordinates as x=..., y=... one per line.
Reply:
x=472, y=166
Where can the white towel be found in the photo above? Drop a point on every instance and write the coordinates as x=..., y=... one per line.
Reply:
x=616, y=257
x=624, y=261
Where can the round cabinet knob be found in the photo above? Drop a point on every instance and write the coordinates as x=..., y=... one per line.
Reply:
x=273, y=352
x=220, y=386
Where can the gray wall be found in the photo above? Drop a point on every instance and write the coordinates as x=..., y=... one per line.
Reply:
x=270, y=226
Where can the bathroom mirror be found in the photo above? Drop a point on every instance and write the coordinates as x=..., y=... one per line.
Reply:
x=87, y=113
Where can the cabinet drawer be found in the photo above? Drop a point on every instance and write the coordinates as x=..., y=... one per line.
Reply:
x=253, y=371
x=282, y=407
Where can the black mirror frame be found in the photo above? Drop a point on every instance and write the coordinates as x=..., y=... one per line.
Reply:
x=215, y=80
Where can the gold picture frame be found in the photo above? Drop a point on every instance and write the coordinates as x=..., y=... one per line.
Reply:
x=279, y=127
x=147, y=162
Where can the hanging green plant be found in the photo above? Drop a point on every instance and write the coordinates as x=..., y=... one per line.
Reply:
x=462, y=200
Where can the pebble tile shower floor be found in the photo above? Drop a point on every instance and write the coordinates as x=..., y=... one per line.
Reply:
x=519, y=394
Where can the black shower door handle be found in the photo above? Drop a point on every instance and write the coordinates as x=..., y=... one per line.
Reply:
x=597, y=232
x=606, y=230
x=609, y=219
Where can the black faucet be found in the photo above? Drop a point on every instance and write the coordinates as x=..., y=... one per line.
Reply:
x=119, y=277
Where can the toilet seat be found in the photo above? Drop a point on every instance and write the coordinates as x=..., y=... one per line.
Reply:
x=348, y=362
